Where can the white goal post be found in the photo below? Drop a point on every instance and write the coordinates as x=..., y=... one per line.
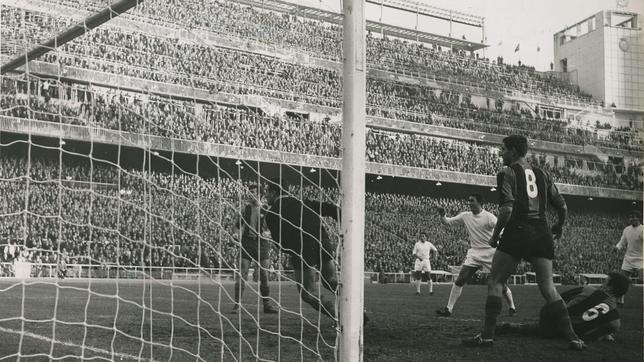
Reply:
x=120, y=168
x=351, y=298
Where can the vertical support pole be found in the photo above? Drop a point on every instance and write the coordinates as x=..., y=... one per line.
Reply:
x=483, y=40
x=382, y=29
x=451, y=43
x=417, y=16
x=351, y=298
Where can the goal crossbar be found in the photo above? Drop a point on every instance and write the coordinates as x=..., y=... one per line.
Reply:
x=71, y=33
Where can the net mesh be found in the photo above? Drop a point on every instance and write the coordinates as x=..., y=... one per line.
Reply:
x=130, y=155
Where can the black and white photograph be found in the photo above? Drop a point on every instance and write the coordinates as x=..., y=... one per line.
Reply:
x=321, y=180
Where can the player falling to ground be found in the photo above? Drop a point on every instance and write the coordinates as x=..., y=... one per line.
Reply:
x=255, y=247
x=296, y=225
x=593, y=312
x=479, y=224
x=632, y=240
x=423, y=250
x=525, y=192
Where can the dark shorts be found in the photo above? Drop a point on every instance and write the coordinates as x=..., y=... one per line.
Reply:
x=528, y=239
x=254, y=249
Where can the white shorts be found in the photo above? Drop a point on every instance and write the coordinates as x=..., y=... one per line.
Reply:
x=632, y=264
x=480, y=258
x=422, y=265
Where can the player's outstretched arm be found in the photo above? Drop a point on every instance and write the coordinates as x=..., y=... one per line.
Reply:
x=449, y=220
x=442, y=216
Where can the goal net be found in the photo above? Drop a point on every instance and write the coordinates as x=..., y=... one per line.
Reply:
x=171, y=181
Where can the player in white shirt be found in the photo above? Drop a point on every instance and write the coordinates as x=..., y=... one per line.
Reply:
x=632, y=239
x=422, y=266
x=480, y=226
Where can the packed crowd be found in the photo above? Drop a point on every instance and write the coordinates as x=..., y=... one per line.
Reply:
x=250, y=128
x=421, y=104
x=151, y=220
x=590, y=236
x=323, y=39
x=430, y=152
x=629, y=176
x=181, y=220
x=240, y=126
x=231, y=71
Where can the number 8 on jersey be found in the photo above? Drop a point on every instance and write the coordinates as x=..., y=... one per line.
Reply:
x=531, y=184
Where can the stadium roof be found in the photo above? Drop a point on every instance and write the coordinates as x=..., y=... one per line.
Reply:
x=386, y=29
x=432, y=11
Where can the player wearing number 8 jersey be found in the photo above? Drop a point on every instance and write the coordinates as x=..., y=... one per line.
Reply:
x=525, y=192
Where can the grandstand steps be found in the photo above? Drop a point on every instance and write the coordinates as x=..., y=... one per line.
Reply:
x=413, y=35
x=432, y=130
x=149, y=142
x=296, y=56
x=519, y=96
x=271, y=104
x=110, y=80
x=334, y=17
x=594, y=150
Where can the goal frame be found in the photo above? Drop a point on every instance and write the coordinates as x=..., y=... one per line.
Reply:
x=350, y=299
x=351, y=293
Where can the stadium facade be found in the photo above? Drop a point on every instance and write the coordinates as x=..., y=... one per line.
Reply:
x=604, y=55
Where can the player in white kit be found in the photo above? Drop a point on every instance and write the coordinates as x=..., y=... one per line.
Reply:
x=632, y=240
x=480, y=226
x=422, y=266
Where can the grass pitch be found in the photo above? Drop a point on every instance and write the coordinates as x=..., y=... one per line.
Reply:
x=136, y=320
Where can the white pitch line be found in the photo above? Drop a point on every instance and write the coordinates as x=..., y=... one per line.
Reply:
x=460, y=319
x=69, y=344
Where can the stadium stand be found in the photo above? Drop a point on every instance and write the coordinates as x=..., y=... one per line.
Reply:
x=322, y=39
x=231, y=71
x=183, y=206
x=246, y=127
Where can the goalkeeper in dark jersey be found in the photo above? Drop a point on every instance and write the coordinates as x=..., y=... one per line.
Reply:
x=296, y=226
x=593, y=312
